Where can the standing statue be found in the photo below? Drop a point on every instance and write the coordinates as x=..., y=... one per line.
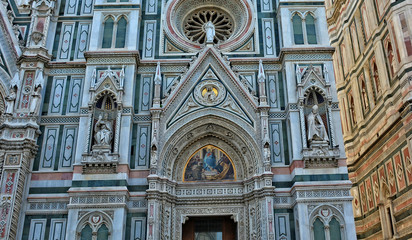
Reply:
x=103, y=131
x=10, y=99
x=316, y=129
x=35, y=101
x=210, y=32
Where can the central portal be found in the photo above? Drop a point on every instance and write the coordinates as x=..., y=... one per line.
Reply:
x=209, y=228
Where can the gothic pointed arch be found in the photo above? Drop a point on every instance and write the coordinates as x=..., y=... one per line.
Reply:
x=227, y=136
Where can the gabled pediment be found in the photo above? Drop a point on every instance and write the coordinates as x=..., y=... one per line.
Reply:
x=210, y=85
x=312, y=78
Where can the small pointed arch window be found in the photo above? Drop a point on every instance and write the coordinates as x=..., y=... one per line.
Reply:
x=121, y=32
x=364, y=94
x=108, y=33
x=352, y=112
x=327, y=225
x=304, y=28
x=318, y=230
x=297, y=29
x=376, y=80
x=334, y=229
x=310, y=29
x=103, y=232
x=86, y=233
x=114, y=32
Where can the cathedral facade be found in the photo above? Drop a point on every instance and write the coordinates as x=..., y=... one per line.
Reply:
x=373, y=60
x=170, y=119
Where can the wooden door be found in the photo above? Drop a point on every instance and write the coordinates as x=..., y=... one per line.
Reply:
x=209, y=228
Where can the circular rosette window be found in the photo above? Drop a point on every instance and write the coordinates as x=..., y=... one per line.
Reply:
x=195, y=23
x=210, y=93
x=186, y=21
x=209, y=164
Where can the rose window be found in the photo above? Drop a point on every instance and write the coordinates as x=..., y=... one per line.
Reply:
x=194, y=25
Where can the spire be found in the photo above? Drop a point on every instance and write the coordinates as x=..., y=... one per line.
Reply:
x=93, y=80
x=261, y=75
x=39, y=79
x=158, y=76
x=122, y=77
x=16, y=80
x=157, y=81
x=298, y=74
x=262, y=87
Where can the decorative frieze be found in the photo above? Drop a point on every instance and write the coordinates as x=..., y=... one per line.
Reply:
x=209, y=192
x=59, y=120
x=47, y=206
x=92, y=201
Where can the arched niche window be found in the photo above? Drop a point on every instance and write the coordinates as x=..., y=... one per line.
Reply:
x=304, y=29
x=121, y=33
x=297, y=29
x=315, y=130
x=364, y=94
x=310, y=29
x=114, y=32
x=104, y=121
x=2, y=105
x=108, y=33
x=327, y=224
x=390, y=57
x=318, y=230
x=352, y=112
x=376, y=81
x=334, y=229
x=86, y=233
x=95, y=226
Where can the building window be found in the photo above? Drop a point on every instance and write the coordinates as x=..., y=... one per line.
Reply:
x=376, y=81
x=352, y=112
x=310, y=29
x=95, y=226
x=364, y=94
x=304, y=29
x=86, y=233
x=121, y=33
x=114, y=32
x=328, y=224
x=406, y=35
x=297, y=29
x=319, y=229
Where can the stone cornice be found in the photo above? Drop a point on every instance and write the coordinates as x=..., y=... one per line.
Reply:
x=89, y=55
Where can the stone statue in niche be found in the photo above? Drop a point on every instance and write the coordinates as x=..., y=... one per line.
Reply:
x=35, y=101
x=316, y=128
x=10, y=100
x=103, y=132
x=210, y=32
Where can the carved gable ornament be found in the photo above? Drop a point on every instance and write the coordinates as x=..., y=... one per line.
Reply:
x=210, y=92
x=313, y=77
x=210, y=84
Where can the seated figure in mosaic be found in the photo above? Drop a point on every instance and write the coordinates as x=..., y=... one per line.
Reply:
x=103, y=131
x=316, y=128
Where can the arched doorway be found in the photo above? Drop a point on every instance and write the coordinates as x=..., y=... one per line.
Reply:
x=209, y=228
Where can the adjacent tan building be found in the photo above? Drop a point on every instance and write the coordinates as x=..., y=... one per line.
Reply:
x=373, y=67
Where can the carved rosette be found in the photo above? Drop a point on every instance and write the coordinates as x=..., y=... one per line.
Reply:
x=210, y=92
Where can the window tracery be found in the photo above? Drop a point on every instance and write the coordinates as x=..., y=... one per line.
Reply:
x=194, y=27
x=114, y=32
x=327, y=223
x=304, y=28
x=94, y=226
